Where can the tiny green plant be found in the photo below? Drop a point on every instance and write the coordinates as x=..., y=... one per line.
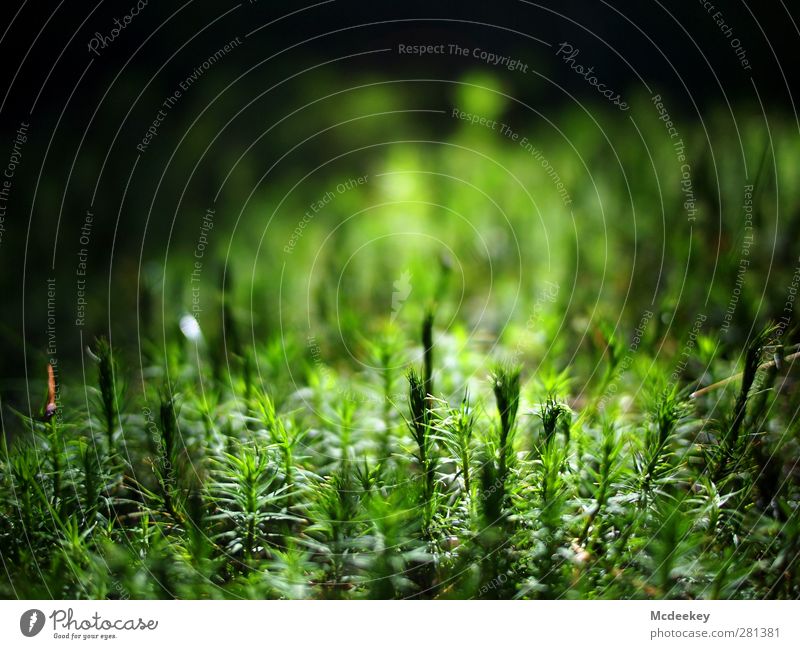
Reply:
x=654, y=461
x=427, y=350
x=506, y=387
x=108, y=390
x=420, y=426
x=240, y=487
x=456, y=432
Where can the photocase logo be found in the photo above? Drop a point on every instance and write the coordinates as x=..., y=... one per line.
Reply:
x=31, y=622
x=402, y=289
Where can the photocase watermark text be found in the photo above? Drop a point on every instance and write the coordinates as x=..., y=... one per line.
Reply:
x=569, y=53
x=455, y=49
x=102, y=41
x=506, y=131
x=687, y=187
x=317, y=206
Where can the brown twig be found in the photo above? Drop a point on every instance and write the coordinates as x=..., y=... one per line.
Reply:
x=51, y=407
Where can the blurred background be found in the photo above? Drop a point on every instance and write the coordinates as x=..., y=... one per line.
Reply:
x=291, y=172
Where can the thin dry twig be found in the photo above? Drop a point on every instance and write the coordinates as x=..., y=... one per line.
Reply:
x=724, y=382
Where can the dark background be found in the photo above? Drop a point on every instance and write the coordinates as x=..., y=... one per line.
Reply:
x=80, y=124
